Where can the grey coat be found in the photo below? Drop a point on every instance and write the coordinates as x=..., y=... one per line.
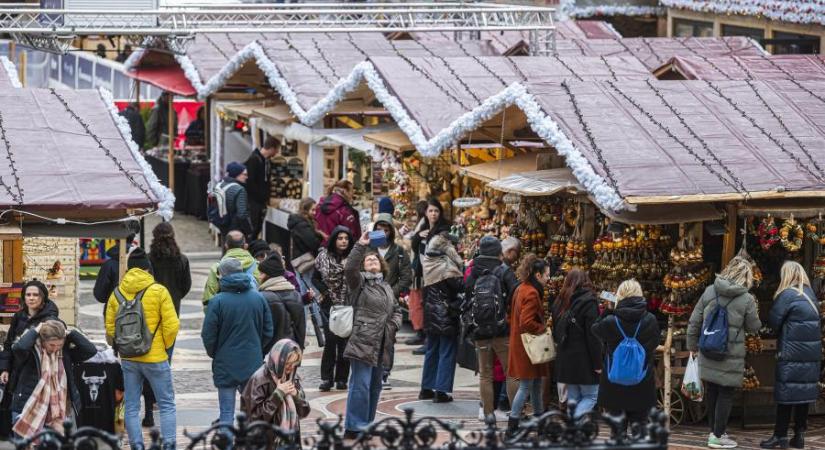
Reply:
x=376, y=316
x=742, y=318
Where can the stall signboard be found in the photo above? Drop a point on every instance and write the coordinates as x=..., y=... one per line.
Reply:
x=11, y=297
x=68, y=70
x=103, y=76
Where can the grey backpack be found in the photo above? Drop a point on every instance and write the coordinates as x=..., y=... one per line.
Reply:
x=132, y=337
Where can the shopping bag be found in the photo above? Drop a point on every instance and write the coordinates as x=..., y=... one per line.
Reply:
x=540, y=348
x=691, y=383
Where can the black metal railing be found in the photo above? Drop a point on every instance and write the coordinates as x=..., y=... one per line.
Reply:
x=554, y=430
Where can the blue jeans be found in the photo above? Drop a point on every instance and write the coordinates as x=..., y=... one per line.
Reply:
x=531, y=387
x=585, y=396
x=362, y=398
x=226, y=403
x=159, y=376
x=439, y=363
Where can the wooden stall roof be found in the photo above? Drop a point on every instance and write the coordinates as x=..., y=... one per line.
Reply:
x=392, y=140
x=502, y=168
x=667, y=214
x=802, y=208
x=744, y=67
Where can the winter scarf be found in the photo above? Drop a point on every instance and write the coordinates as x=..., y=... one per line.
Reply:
x=276, y=364
x=276, y=284
x=332, y=272
x=441, y=260
x=47, y=404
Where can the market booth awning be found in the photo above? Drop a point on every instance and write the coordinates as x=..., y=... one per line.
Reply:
x=169, y=78
x=71, y=154
x=538, y=183
x=499, y=169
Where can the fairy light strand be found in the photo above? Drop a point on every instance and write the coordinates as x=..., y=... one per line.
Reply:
x=100, y=145
x=428, y=78
x=588, y=132
x=324, y=57
x=19, y=197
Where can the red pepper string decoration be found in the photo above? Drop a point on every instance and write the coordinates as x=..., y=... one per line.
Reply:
x=768, y=233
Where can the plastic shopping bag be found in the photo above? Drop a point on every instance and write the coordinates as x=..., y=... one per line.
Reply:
x=691, y=383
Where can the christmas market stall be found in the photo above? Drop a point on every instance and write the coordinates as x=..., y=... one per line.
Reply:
x=99, y=189
x=743, y=67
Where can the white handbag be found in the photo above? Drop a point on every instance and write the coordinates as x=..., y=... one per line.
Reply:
x=540, y=348
x=340, y=320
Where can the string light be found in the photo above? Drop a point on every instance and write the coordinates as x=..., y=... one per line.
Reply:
x=610, y=68
x=324, y=57
x=19, y=197
x=590, y=137
x=220, y=50
x=516, y=68
x=449, y=69
x=568, y=68
x=101, y=146
x=306, y=60
x=763, y=131
x=430, y=79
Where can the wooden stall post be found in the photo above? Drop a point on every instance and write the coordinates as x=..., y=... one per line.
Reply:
x=731, y=231
x=668, y=382
x=13, y=261
x=123, y=259
x=171, y=156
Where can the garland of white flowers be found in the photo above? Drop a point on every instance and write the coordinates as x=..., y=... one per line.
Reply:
x=568, y=10
x=808, y=11
x=165, y=197
x=11, y=71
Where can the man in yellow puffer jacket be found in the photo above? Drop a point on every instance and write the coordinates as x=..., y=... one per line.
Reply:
x=162, y=321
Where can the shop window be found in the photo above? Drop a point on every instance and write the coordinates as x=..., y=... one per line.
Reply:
x=733, y=30
x=692, y=28
x=793, y=44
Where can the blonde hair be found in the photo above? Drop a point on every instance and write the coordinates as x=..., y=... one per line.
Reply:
x=792, y=276
x=51, y=330
x=628, y=288
x=740, y=271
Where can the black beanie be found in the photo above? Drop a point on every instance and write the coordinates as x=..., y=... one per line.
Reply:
x=489, y=246
x=139, y=260
x=257, y=247
x=272, y=266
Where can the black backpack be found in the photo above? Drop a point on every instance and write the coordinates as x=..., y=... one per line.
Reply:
x=487, y=311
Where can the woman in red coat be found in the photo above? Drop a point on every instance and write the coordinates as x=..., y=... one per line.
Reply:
x=527, y=316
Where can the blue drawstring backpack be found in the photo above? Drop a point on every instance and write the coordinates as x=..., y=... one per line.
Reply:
x=627, y=366
x=713, y=342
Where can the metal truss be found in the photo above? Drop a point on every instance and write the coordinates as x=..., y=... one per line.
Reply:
x=46, y=29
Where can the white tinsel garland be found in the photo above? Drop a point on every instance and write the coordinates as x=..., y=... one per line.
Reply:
x=134, y=59
x=166, y=200
x=798, y=11
x=568, y=10
x=11, y=71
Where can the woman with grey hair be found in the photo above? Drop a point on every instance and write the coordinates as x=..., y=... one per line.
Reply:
x=722, y=377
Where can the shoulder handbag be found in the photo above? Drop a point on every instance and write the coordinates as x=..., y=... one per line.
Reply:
x=539, y=348
x=302, y=264
x=341, y=317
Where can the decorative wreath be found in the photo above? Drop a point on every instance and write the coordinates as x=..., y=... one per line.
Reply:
x=791, y=234
x=571, y=215
x=768, y=233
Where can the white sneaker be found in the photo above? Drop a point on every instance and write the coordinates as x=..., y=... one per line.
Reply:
x=721, y=442
x=481, y=413
x=501, y=416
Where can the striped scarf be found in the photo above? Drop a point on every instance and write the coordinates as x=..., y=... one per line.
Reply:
x=47, y=404
x=276, y=364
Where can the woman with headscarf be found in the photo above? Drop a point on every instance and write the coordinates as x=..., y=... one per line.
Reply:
x=329, y=280
x=274, y=394
x=46, y=390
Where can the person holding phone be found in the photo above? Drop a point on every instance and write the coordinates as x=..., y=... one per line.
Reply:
x=274, y=393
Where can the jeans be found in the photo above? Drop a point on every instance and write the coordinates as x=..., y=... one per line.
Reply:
x=363, y=394
x=531, y=387
x=439, y=363
x=226, y=403
x=783, y=419
x=488, y=350
x=160, y=378
x=719, y=402
x=585, y=396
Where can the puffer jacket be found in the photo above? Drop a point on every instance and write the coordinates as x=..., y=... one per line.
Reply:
x=237, y=207
x=287, y=310
x=742, y=318
x=377, y=316
x=21, y=322
x=443, y=286
x=158, y=309
x=236, y=331
x=247, y=262
x=799, y=348
x=76, y=350
x=305, y=238
x=335, y=210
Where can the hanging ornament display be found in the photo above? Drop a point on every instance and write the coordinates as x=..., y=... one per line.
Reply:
x=791, y=234
x=688, y=277
x=768, y=233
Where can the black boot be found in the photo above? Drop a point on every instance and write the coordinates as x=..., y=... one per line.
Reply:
x=775, y=442
x=798, y=440
x=512, y=427
x=325, y=386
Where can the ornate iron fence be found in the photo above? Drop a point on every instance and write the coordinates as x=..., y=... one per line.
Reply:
x=553, y=430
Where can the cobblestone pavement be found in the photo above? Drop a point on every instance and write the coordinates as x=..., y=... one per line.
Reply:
x=197, y=398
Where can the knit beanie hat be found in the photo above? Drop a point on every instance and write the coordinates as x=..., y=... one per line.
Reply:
x=385, y=206
x=228, y=266
x=489, y=246
x=257, y=247
x=139, y=260
x=272, y=266
x=234, y=169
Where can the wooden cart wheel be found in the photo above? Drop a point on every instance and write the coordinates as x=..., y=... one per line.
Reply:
x=696, y=411
x=677, y=405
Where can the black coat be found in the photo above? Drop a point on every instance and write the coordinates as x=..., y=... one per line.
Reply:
x=288, y=316
x=304, y=236
x=399, y=273
x=509, y=283
x=442, y=307
x=578, y=358
x=107, y=276
x=630, y=311
x=257, y=185
x=136, y=125
x=76, y=350
x=173, y=274
x=21, y=322
x=799, y=347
